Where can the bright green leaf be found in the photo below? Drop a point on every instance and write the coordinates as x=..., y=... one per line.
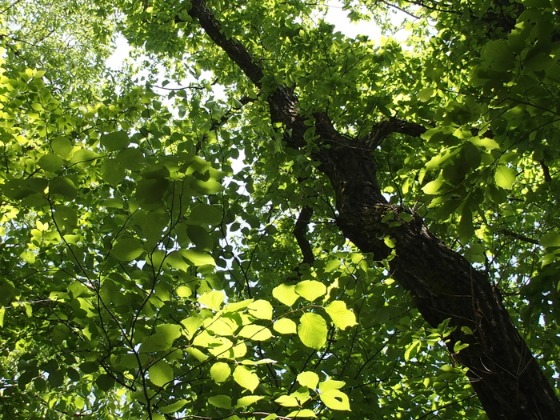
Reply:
x=335, y=400
x=312, y=330
x=260, y=309
x=255, y=332
x=285, y=326
x=246, y=378
x=248, y=400
x=504, y=177
x=340, y=315
x=285, y=294
x=308, y=379
x=303, y=413
x=212, y=300
x=310, y=289
x=220, y=371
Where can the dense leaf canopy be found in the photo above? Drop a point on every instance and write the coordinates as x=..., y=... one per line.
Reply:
x=182, y=238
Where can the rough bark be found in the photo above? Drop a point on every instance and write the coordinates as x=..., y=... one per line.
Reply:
x=501, y=368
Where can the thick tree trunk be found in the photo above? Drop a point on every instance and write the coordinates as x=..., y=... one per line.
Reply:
x=444, y=285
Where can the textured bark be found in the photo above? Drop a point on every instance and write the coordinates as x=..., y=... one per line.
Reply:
x=502, y=370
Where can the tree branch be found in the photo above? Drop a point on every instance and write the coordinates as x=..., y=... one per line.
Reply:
x=300, y=231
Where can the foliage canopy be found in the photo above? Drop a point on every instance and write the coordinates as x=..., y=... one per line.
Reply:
x=175, y=239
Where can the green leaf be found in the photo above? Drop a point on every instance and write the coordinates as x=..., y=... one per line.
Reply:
x=220, y=371
x=163, y=338
x=504, y=177
x=466, y=228
x=151, y=190
x=335, y=400
x=287, y=401
x=198, y=258
x=63, y=186
x=308, y=379
x=212, y=300
x=248, y=400
x=183, y=291
x=426, y=94
x=310, y=289
x=51, y=163
x=220, y=401
x=205, y=215
x=260, y=309
x=255, y=332
x=548, y=240
x=433, y=187
x=161, y=373
x=83, y=156
x=246, y=378
x=285, y=294
x=498, y=56
x=174, y=407
x=285, y=326
x=341, y=316
x=330, y=384
x=7, y=292
x=127, y=249
x=312, y=330
x=61, y=147
x=115, y=141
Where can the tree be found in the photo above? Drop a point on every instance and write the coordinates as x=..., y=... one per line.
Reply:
x=386, y=246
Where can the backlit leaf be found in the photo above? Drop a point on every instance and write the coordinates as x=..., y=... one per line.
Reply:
x=308, y=379
x=255, y=332
x=161, y=373
x=286, y=294
x=260, y=309
x=246, y=378
x=335, y=400
x=220, y=371
x=504, y=177
x=310, y=289
x=312, y=330
x=341, y=316
x=285, y=326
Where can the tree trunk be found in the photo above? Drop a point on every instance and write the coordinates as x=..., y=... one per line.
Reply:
x=502, y=370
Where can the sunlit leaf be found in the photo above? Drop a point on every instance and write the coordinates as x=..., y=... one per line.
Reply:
x=310, y=289
x=504, y=177
x=286, y=294
x=285, y=326
x=260, y=309
x=312, y=330
x=220, y=371
x=308, y=379
x=335, y=400
x=246, y=378
x=255, y=332
x=341, y=316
